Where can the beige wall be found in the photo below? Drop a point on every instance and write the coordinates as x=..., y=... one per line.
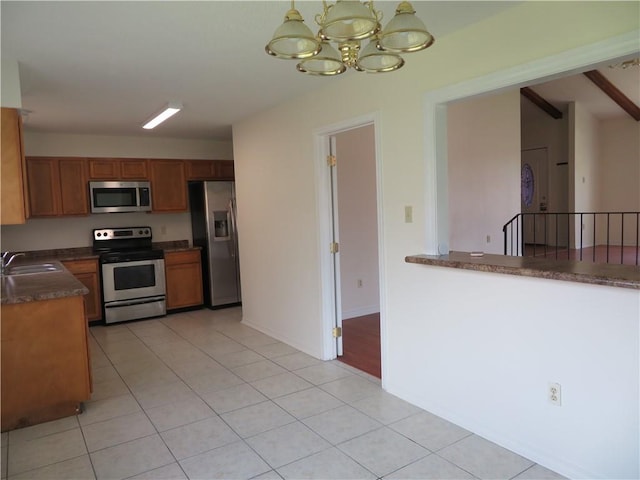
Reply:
x=484, y=170
x=276, y=164
x=10, y=95
x=620, y=175
x=584, y=168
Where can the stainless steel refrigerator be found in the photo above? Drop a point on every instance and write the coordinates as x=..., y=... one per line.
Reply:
x=213, y=226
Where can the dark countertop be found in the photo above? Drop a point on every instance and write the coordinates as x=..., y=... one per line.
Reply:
x=47, y=286
x=85, y=253
x=625, y=276
x=40, y=286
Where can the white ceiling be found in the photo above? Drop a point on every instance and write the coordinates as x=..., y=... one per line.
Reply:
x=104, y=67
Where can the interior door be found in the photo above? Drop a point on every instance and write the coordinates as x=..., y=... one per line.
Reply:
x=336, y=241
x=534, y=195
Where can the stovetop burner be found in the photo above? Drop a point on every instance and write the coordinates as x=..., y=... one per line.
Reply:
x=124, y=244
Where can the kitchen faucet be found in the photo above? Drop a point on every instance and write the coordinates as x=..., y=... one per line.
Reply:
x=12, y=256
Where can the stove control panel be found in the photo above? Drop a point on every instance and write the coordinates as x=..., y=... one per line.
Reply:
x=125, y=233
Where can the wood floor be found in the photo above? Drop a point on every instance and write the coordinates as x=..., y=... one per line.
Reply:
x=598, y=254
x=361, y=343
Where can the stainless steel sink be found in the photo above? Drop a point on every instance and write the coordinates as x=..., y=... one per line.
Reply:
x=33, y=268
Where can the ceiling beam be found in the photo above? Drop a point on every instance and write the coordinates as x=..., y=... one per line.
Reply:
x=540, y=102
x=616, y=95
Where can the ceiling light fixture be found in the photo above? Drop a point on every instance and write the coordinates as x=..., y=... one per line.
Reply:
x=347, y=23
x=635, y=62
x=169, y=111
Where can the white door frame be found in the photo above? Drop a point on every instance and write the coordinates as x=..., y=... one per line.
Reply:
x=435, y=118
x=328, y=274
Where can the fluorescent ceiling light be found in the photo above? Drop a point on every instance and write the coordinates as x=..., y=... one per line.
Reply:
x=168, y=112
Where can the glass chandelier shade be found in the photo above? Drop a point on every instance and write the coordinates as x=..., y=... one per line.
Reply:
x=347, y=20
x=347, y=23
x=327, y=63
x=374, y=60
x=405, y=32
x=293, y=39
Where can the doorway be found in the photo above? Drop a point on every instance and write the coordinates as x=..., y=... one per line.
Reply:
x=349, y=214
x=356, y=225
x=534, y=195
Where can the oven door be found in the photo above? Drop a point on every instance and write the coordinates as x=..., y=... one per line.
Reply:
x=131, y=280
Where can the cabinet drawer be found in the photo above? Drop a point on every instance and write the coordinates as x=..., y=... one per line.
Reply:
x=81, y=266
x=177, y=258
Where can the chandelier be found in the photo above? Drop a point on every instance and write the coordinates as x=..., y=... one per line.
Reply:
x=347, y=23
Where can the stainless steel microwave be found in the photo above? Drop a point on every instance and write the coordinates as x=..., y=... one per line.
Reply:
x=112, y=197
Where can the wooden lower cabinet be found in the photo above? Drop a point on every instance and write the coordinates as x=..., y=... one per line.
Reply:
x=88, y=272
x=184, y=279
x=46, y=372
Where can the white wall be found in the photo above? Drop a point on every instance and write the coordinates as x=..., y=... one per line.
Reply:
x=67, y=232
x=620, y=174
x=487, y=353
x=358, y=223
x=484, y=170
x=584, y=168
x=10, y=95
x=281, y=273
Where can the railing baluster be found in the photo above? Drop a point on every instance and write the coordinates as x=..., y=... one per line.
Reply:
x=520, y=224
x=557, y=236
x=608, y=227
x=594, y=238
x=622, y=239
x=581, y=224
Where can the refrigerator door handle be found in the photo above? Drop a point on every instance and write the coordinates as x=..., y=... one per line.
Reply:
x=231, y=221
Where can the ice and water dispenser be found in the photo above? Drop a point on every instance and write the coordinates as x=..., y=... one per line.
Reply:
x=221, y=225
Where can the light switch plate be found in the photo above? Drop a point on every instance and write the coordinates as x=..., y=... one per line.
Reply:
x=408, y=214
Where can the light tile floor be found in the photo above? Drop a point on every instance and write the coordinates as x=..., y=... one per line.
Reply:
x=200, y=395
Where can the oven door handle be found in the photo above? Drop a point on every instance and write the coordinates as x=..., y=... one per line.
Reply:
x=137, y=301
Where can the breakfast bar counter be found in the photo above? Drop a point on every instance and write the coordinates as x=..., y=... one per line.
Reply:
x=625, y=276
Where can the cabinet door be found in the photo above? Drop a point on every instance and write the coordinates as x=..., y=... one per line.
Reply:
x=224, y=170
x=201, y=169
x=133, y=169
x=184, y=279
x=168, y=185
x=104, y=169
x=73, y=186
x=44, y=187
x=13, y=207
x=86, y=271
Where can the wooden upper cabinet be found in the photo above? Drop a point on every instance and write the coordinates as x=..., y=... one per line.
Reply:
x=118, y=169
x=13, y=188
x=209, y=169
x=57, y=186
x=224, y=170
x=168, y=185
x=73, y=186
x=44, y=187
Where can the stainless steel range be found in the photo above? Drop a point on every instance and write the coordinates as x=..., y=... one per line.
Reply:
x=133, y=283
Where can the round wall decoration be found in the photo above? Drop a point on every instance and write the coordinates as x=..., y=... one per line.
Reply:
x=527, y=184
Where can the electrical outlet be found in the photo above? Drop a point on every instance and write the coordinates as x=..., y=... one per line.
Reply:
x=488, y=238
x=163, y=230
x=359, y=283
x=555, y=394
